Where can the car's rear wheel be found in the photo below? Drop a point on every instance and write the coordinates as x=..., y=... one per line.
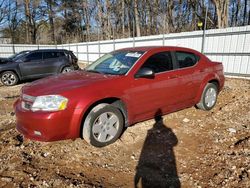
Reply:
x=209, y=97
x=103, y=125
x=67, y=69
x=9, y=78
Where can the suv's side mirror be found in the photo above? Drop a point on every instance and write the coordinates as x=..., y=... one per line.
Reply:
x=145, y=73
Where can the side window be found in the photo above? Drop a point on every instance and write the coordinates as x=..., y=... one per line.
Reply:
x=50, y=55
x=60, y=54
x=186, y=59
x=159, y=62
x=33, y=57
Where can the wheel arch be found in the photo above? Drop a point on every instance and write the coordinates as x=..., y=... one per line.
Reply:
x=210, y=79
x=117, y=102
x=215, y=82
x=12, y=70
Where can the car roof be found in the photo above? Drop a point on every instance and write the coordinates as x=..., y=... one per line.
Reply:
x=50, y=50
x=152, y=48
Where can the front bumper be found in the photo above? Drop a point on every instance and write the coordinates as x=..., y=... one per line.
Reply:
x=48, y=126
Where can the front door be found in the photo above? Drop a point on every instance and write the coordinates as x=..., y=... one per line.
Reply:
x=31, y=65
x=161, y=93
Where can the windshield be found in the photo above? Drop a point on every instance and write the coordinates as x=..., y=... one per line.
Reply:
x=117, y=63
x=18, y=55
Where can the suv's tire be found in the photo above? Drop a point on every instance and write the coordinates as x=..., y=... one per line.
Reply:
x=208, y=97
x=103, y=125
x=9, y=78
x=67, y=69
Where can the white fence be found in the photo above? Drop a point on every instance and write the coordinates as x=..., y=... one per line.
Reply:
x=230, y=46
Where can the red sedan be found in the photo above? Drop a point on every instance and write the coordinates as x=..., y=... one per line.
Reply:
x=119, y=89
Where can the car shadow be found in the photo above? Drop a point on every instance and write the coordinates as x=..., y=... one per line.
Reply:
x=157, y=166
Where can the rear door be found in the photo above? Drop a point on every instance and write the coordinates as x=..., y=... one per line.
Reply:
x=30, y=66
x=188, y=74
x=53, y=61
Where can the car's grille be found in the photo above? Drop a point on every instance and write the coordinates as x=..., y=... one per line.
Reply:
x=27, y=101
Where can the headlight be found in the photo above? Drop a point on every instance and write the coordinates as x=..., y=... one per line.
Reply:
x=49, y=103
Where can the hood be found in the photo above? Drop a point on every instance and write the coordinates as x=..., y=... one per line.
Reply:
x=4, y=60
x=64, y=82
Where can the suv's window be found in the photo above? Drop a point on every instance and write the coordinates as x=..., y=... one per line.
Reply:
x=159, y=62
x=33, y=57
x=49, y=55
x=186, y=59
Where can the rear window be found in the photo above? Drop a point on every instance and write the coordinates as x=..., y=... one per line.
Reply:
x=72, y=55
x=186, y=59
x=50, y=55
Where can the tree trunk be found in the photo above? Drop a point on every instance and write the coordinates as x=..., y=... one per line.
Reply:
x=123, y=18
x=100, y=19
x=170, y=8
x=237, y=12
x=86, y=18
x=222, y=12
x=245, y=13
x=28, y=19
x=248, y=18
x=129, y=23
x=137, y=19
x=148, y=18
x=51, y=20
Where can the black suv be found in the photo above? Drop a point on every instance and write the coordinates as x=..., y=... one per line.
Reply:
x=37, y=64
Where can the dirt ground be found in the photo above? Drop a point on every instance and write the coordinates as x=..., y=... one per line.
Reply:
x=189, y=148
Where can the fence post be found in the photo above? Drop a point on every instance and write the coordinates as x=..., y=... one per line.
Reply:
x=113, y=38
x=133, y=34
x=204, y=32
x=77, y=53
x=99, y=48
x=13, y=48
x=163, y=40
x=87, y=43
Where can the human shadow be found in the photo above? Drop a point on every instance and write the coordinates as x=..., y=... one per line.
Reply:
x=157, y=166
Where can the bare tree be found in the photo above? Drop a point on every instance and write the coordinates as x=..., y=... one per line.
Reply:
x=245, y=13
x=34, y=12
x=137, y=19
x=3, y=11
x=13, y=19
x=81, y=20
x=51, y=15
x=222, y=12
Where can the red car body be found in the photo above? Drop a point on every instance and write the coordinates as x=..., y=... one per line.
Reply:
x=169, y=91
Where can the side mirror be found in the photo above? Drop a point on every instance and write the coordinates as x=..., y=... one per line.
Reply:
x=145, y=73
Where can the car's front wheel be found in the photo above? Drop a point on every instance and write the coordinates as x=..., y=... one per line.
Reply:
x=9, y=78
x=209, y=97
x=103, y=125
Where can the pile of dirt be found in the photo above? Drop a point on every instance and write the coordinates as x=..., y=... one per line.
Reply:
x=188, y=148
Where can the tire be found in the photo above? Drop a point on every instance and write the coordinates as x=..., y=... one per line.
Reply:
x=208, y=97
x=103, y=125
x=66, y=69
x=9, y=78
